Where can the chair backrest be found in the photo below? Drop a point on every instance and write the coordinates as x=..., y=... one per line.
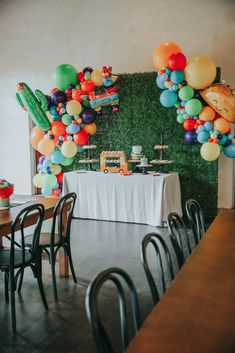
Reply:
x=20, y=222
x=162, y=253
x=59, y=211
x=118, y=277
x=195, y=218
x=179, y=237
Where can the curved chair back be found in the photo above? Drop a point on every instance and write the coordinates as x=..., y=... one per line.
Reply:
x=195, y=218
x=179, y=237
x=100, y=336
x=20, y=222
x=58, y=210
x=156, y=240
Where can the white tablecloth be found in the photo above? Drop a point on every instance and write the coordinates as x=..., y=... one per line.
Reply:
x=138, y=198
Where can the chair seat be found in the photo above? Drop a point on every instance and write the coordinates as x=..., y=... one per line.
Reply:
x=44, y=240
x=5, y=258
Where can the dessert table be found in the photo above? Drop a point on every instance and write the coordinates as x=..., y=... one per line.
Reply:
x=136, y=198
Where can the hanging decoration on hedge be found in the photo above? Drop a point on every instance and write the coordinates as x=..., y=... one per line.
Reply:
x=65, y=118
x=205, y=110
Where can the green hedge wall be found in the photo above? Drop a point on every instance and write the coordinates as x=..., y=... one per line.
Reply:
x=140, y=121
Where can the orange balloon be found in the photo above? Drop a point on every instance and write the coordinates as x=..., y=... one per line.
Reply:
x=36, y=135
x=222, y=125
x=58, y=128
x=207, y=114
x=90, y=128
x=162, y=53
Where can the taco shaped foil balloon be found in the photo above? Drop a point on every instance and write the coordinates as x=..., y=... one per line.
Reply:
x=221, y=99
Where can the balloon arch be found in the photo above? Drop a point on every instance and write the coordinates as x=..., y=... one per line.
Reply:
x=205, y=109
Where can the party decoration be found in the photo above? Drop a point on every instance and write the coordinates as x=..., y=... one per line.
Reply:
x=205, y=115
x=221, y=98
x=35, y=105
x=6, y=189
x=66, y=118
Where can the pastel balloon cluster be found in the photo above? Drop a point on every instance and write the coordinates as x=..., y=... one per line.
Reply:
x=182, y=82
x=71, y=120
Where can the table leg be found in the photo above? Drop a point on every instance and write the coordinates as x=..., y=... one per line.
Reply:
x=63, y=259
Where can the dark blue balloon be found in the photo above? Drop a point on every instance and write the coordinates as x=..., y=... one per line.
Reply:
x=49, y=101
x=190, y=137
x=88, y=116
x=58, y=97
x=88, y=69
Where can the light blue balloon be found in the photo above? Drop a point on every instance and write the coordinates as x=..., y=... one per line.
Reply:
x=46, y=191
x=168, y=98
x=208, y=126
x=177, y=76
x=231, y=136
x=46, y=163
x=203, y=136
x=57, y=157
x=73, y=128
x=164, y=77
x=200, y=128
x=229, y=150
x=160, y=82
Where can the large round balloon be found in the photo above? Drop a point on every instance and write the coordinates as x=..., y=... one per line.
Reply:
x=36, y=135
x=49, y=181
x=96, y=77
x=89, y=116
x=57, y=157
x=88, y=86
x=65, y=75
x=58, y=97
x=46, y=146
x=162, y=54
x=168, y=98
x=200, y=72
x=210, y=151
x=69, y=149
x=193, y=107
x=37, y=180
x=207, y=114
x=81, y=138
x=58, y=128
x=229, y=150
x=190, y=137
x=90, y=128
x=186, y=93
x=177, y=61
x=73, y=107
x=222, y=125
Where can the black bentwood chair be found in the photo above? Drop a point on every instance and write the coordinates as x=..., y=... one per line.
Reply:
x=13, y=261
x=179, y=237
x=163, y=258
x=52, y=242
x=117, y=276
x=195, y=218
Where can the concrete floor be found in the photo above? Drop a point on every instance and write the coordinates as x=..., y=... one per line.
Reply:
x=96, y=245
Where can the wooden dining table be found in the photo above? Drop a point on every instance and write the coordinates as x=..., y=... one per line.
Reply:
x=197, y=313
x=7, y=216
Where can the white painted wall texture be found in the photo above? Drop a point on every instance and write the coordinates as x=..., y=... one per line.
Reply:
x=36, y=36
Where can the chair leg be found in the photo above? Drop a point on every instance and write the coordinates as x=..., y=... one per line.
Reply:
x=6, y=286
x=53, y=262
x=21, y=280
x=12, y=295
x=38, y=268
x=71, y=264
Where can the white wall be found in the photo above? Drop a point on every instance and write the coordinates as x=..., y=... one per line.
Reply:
x=36, y=36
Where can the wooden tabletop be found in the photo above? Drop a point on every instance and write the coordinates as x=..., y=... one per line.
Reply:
x=197, y=313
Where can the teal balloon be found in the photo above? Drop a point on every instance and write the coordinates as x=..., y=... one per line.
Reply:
x=168, y=98
x=229, y=150
x=49, y=181
x=66, y=119
x=65, y=75
x=193, y=107
x=177, y=76
x=67, y=161
x=223, y=140
x=186, y=93
x=203, y=136
x=46, y=191
x=57, y=157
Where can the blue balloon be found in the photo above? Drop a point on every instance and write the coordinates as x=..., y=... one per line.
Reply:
x=177, y=76
x=73, y=128
x=46, y=192
x=208, y=126
x=203, y=136
x=168, y=98
x=222, y=140
x=229, y=150
x=57, y=157
x=164, y=77
x=190, y=137
x=160, y=82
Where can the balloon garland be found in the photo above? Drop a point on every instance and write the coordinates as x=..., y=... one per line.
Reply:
x=205, y=110
x=66, y=118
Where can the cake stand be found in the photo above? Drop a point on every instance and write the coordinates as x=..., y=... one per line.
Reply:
x=144, y=167
x=89, y=161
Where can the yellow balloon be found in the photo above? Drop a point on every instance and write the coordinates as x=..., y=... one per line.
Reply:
x=200, y=72
x=210, y=151
x=37, y=180
x=73, y=107
x=96, y=77
x=90, y=128
x=55, y=168
x=46, y=146
x=69, y=149
x=222, y=125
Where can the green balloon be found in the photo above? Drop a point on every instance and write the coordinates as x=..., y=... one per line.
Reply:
x=193, y=107
x=49, y=181
x=186, y=93
x=65, y=75
x=180, y=119
x=67, y=161
x=66, y=119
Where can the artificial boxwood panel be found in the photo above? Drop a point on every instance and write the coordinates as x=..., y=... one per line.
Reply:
x=140, y=121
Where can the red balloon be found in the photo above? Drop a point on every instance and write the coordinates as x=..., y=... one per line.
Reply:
x=58, y=128
x=81, y=76
x=57, y=191
x=77, y=95
x=88, y=86
x=177, y=61
x=60, y=177
x=81, y=138
x=189, y=124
